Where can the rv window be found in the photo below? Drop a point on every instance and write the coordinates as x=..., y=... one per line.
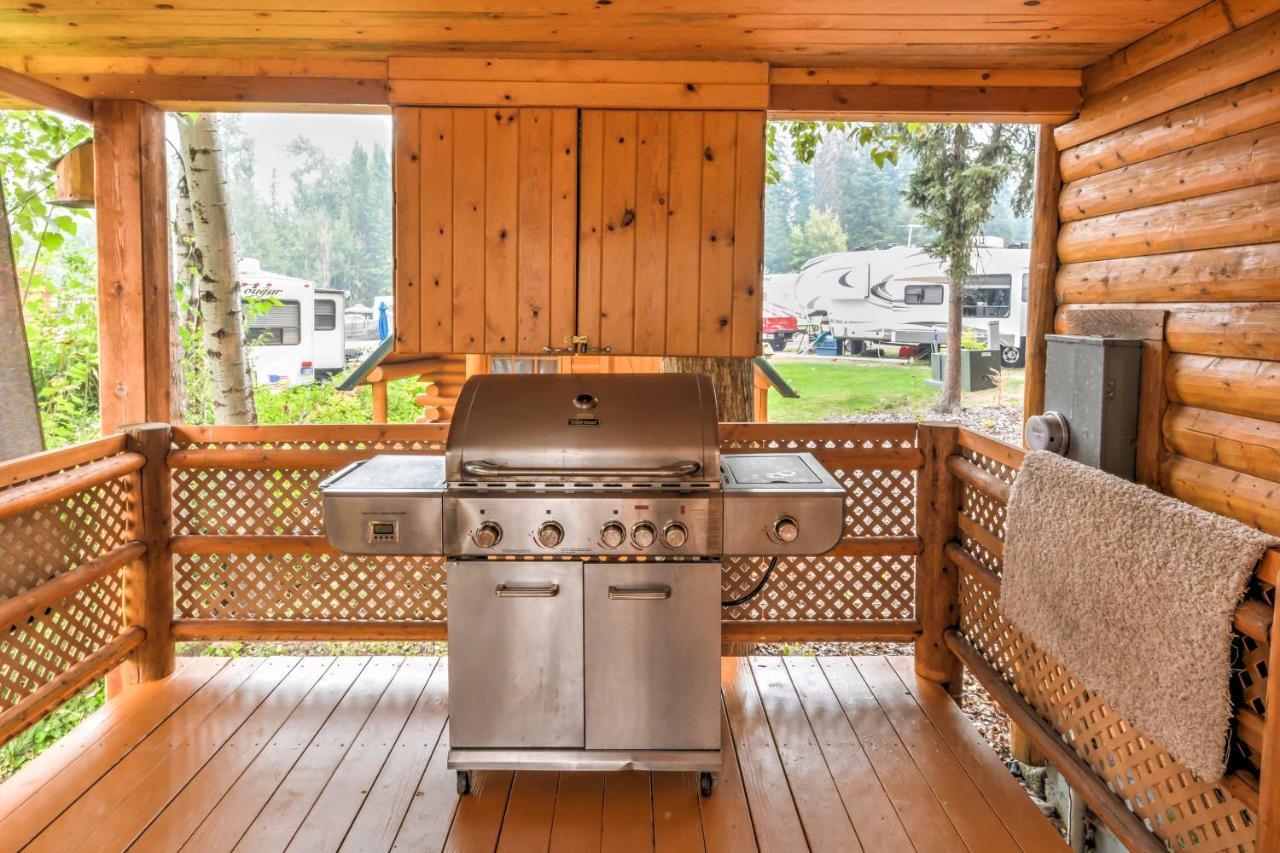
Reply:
x=988, y=296
x=922, y=294
x=278, y=326
x=1025, y=288
x=326, y=315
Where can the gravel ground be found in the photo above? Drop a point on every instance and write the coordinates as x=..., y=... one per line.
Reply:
x=1003, y=422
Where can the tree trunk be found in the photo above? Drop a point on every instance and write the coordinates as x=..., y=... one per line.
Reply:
x=731, y=377
x=955, y=307
x=19, y=415
x=221, y=321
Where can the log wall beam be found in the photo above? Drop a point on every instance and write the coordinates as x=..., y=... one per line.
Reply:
x=937, y=584
x=131, y=197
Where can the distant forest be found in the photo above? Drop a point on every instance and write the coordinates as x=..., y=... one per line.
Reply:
x=331, y=223
x=842, y=201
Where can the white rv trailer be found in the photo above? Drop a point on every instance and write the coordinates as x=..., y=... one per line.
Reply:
x=898, y=296
x=298, y=337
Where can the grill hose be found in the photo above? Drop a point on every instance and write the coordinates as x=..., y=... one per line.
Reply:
x=764, y=579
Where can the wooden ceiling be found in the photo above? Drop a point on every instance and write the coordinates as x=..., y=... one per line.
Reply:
x=1065, y=34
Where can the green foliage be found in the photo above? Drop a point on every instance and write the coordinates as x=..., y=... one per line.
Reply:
x=821, y=234
x=323, y=403
x=61, y=313
x=57, y=274
x=38, y=738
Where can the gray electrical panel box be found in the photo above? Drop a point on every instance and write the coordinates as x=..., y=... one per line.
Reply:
x=1093, y=383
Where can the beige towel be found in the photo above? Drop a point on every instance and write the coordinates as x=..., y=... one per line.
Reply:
x=1134, y=592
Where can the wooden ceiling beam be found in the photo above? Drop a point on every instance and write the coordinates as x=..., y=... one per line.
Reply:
x=32, y=91
x=1029, y=104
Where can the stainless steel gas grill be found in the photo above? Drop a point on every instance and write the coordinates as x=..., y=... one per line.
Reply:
x=584, y=518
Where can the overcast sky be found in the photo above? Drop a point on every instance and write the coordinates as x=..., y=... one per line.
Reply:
x=335, y=134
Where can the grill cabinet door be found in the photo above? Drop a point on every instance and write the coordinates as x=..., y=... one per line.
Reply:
x=653, y=655
x=515, y=654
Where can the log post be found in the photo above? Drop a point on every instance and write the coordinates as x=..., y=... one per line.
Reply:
x=130, y=194
x=937, y=581
x=1041, y=301
x=379, y=398
x=148, y=582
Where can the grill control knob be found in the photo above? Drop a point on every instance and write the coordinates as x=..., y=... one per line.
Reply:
x=487, y=534
x=613, y=534
x=675, y=534
x=785, y=529
x=643, y=534
x=550, y=534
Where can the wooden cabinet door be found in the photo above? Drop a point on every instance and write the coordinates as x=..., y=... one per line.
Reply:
x=670, y=232
x=486, y=210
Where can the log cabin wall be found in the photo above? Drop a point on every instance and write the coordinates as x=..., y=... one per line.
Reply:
x=1171, y=201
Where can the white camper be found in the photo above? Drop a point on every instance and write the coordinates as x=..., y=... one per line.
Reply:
x=298, y=336
x=898, y=296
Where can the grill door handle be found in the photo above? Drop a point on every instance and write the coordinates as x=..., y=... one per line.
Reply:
x=484, y=468
x=646, y=593
x=549, y=591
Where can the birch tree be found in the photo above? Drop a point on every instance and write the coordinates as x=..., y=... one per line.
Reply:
x=212, y=258
x=19, y=416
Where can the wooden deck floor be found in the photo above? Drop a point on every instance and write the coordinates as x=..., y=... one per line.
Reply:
x=317, y=754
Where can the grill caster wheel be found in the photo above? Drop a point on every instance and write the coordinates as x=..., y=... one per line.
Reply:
x=464, y=782
x=705, y=783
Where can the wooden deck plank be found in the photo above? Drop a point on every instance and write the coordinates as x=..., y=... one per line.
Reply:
x=960, y=797
x=579, y=813
x=193, y=777
x=826, y=822
x=773, y=811
x=335, y=807
x=319, y=754
x=677, y=825
x=250, y=817
x=99, y=796
x=726, y=817
x=628, y=812
x=922, y=815
x=383, y=811
x=93, y=746
x=1020, y=816
x=874, y=818
x=429, y=817
x=527, y=825
x=323, y=784
x=478, y=818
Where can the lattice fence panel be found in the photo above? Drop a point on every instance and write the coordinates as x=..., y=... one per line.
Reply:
x=43, y=647
x=41, y=544
x=1185, y=813
x=310, y=586
x=246, y=502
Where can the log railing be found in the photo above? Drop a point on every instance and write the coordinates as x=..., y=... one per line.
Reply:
x=251, y=561
x=78, y=545
x=1146, y=797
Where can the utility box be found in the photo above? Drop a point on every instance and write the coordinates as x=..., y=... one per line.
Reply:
x=1092, y=384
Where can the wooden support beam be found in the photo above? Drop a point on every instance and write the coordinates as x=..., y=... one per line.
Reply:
x=131, y=193
x=937, y=584
x=1153, y=399
x=1029, y=104
x=43, y=95
x=1043, y=271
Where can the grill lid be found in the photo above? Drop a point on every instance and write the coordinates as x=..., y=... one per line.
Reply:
x=658, y=428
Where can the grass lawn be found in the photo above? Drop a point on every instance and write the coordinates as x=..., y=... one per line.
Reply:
x=833, y=389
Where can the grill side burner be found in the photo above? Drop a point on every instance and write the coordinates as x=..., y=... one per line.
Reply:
x=584, y=519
